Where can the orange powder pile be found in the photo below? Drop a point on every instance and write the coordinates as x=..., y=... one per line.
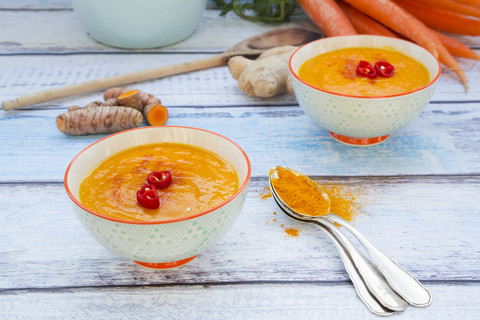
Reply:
x=299, y=194
x=292, y=232
x=266, y=193
x=303, y=197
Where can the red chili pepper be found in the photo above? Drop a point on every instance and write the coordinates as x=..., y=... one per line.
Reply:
x=384, y=69
x=161, y=179
x=365, y=69
x=147, y=196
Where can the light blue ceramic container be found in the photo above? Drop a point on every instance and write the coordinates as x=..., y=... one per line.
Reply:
x=139, y=24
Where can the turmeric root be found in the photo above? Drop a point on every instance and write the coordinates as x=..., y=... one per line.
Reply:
x=98, y=120
x=131, y=99
x=156, y=114
x=267, y=76
x=110, y=102
x=114, y=92
x=145, y=98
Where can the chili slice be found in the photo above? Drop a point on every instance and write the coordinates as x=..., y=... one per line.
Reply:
x=161, y=179
x=365, y=69
x=147, y=196
x=384, y=69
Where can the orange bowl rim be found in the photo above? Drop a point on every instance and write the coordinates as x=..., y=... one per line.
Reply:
x=434, y=79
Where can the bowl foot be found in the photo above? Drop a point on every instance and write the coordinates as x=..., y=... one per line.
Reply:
x=358, y=142
x=165, y=265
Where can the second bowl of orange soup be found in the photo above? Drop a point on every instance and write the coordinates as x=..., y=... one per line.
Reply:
x=120, y=195
x=363, y=88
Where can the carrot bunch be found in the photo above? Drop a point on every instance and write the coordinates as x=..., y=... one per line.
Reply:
x=416, y=20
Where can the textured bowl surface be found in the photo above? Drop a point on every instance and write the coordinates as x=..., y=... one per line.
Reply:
x=361, y=121
x=161, y=244
x=141, y=23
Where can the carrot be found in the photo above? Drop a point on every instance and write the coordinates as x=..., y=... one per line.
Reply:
x=397, y=19
x=450, y=62
x=442, y=20
x=456, y=47
x=328, y=16
x=473, y=3
x=453, y=6
x=363, y=23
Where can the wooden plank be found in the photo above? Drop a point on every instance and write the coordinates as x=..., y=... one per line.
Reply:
x=443, y=140
x=242, y=301
x=213, y=87
x=47, y=4
x=42, y=245
x=35, y=4
x=37, y=32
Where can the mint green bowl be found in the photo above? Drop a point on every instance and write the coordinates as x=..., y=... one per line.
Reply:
x=356, y=120
x=139, y=24
x=159, y=244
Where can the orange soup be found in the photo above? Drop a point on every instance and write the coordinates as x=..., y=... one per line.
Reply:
x=336, y=71
x=200, y=180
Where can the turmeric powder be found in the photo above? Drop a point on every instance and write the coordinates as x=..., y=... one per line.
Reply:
x=304, y=197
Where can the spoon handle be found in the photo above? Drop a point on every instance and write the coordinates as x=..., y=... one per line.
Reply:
x=400, y=280
x=374, y=281
x=373, y=305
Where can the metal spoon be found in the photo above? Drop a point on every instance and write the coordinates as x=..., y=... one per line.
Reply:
x=400, y=280
x=374, y=281
x=370, y=301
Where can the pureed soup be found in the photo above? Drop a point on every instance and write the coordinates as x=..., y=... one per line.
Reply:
x=200, y=180
x=339, y=72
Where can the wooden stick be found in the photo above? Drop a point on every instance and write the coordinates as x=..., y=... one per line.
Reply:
x=113, y=81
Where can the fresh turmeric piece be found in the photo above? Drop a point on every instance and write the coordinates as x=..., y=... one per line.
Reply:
x=114, y=92
x=266, y=76
x=156, y=114
x=130, y=99
x=93, y=104
x=145, y=98
x=101, y=119
x=110, y=102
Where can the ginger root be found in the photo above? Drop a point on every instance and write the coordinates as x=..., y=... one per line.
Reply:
x=101, y=119
x=266, y=76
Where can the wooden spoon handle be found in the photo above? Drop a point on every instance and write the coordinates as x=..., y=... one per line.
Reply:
x=114, y=81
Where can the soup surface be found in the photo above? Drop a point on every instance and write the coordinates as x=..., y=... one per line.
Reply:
x=336, y=72
x=200, y=180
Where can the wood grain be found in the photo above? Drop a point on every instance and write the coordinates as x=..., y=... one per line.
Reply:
x=405, y=217
x=416, y=194
x=441, y=141
x=241, y=301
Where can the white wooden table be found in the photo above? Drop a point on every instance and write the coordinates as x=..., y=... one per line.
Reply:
x=418, y=193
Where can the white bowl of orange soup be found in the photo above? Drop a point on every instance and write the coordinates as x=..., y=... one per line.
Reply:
x=360, y=108
x=206, y=192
